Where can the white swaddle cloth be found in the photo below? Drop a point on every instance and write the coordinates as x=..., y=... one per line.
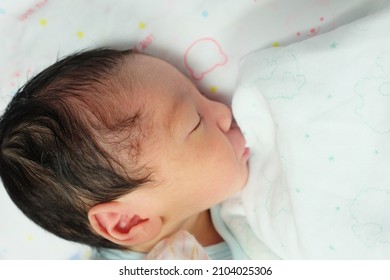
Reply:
x=316, y=116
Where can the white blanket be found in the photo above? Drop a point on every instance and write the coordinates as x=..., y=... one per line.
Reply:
x=316, y=116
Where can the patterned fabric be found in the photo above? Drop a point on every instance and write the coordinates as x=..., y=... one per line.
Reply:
x=315, y=115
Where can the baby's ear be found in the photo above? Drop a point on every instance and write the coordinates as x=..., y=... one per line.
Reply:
x=123, y=224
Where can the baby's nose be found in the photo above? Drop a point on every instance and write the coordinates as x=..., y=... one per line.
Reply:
x=223, y=116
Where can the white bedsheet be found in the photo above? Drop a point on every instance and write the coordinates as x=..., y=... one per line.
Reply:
x=316, y=116
x=205, y=39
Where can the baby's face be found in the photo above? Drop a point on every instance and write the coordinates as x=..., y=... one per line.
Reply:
x=197, y=155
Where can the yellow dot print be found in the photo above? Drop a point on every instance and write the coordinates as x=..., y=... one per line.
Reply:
x=30, y=237
x=142, y=25
x=275, y=44
x=213, y=89
x=43, y=22
x=80, y=34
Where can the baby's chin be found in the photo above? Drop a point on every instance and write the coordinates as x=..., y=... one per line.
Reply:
x=245, y=171
x=243, y=177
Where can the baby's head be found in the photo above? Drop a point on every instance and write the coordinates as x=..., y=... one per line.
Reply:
x=119, y=150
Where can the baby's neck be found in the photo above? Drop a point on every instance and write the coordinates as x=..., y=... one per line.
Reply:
x=200, y=226
x=204, y=231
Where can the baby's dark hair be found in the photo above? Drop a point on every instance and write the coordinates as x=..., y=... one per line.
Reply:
x=59, y=137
